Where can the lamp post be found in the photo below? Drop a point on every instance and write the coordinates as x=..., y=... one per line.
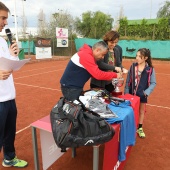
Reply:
x=28, y=43
x=151, y=10
x=16, y=24
x=24, y=22
x=71, y=37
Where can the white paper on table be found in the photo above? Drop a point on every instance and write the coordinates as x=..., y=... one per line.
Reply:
x=7, y=64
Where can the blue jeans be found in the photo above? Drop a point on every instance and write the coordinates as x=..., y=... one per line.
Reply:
x=70, y=93
x=8, y=115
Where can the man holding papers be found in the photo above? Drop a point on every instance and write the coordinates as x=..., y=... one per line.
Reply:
x=8, y=110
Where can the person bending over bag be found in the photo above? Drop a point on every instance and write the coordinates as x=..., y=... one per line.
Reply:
x=81, y=67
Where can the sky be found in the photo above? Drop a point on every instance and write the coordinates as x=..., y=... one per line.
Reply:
x=132, y=9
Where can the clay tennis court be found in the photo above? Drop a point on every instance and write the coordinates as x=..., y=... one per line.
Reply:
x=38, y=90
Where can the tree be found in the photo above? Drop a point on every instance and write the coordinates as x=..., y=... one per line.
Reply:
x=61, y=19
x=93, y=24
x=143, y=29
x=24, y=27
x=42, y=25
x=164, y=11
x=118, y=18
x=123, y=26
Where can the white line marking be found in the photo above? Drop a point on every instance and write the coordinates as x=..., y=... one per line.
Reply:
x=39, y=69
x=158, y=106
x=37, y=86
x=163, y=74
x=38, y=74
x=22, y=129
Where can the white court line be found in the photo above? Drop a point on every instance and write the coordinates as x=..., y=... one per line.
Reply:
x=38, y=69
x=161, y=63
x=22, y=129
x=38, y=74
x=163, y=74
x=158, y=106
x=37, y=86
x=32, y=86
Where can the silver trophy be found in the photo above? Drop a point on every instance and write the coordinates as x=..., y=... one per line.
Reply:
x=117, y=82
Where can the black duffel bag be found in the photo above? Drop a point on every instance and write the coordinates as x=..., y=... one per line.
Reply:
x=72, y=126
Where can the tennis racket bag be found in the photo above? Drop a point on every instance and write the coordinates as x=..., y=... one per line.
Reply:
x=72, y=126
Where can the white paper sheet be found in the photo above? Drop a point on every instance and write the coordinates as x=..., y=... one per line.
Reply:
x=7, y=64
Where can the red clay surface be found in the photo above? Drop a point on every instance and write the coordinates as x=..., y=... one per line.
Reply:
x=38, y=90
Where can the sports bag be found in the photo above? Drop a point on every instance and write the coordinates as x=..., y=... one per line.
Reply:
x=72, y=126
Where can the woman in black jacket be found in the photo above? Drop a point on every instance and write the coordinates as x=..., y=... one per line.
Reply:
x=112, y=61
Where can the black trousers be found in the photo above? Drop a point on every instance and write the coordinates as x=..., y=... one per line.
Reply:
x=8, y=115
x=71, y=94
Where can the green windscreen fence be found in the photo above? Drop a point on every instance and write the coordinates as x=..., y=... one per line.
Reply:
x=28, y=46
x=80, y=41
x=159, y=49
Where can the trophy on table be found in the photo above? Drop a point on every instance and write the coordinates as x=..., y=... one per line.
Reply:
x=117, y=82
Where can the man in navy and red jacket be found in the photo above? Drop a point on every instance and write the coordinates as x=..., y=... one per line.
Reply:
x=81, y=67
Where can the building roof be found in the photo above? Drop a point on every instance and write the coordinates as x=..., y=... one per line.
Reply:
x=139, y=21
